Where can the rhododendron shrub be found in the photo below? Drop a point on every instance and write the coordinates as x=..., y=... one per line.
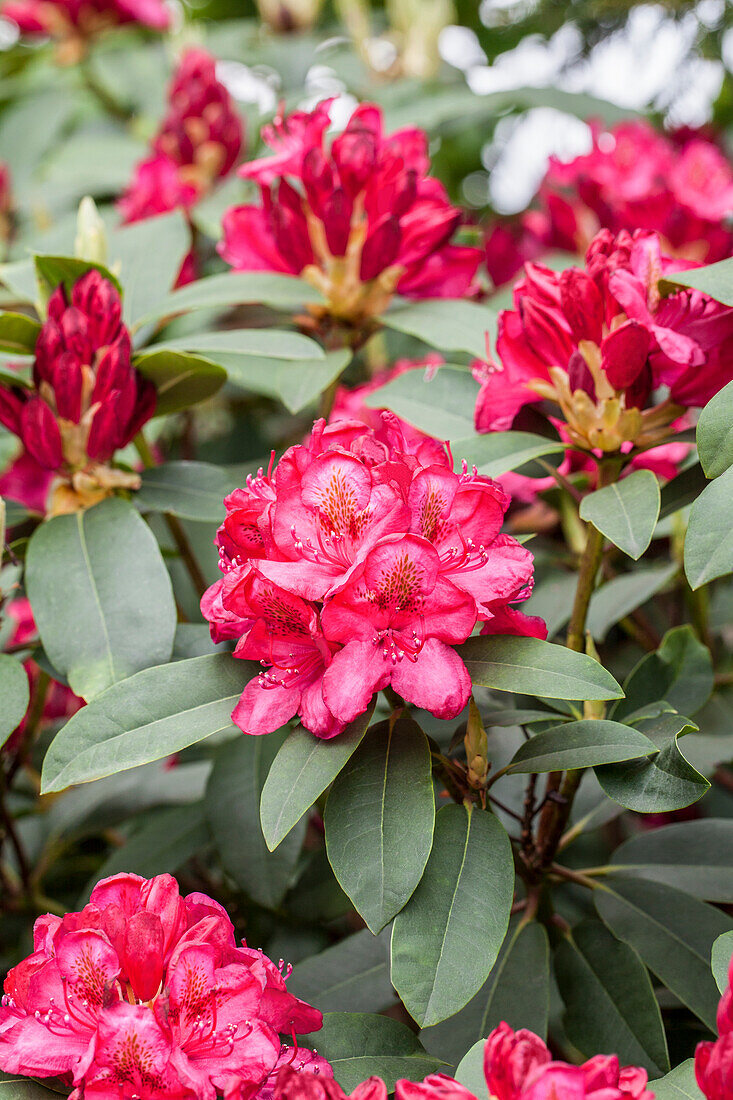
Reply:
x=358, y=217
x=358, y=563
x=434, y=702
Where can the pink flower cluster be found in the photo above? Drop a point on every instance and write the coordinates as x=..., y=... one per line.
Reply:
x=87, y=400
x=67, y=19
x=198, y=142
x=360, y=562
x=714, y=1061
x=601, y=341
x=517, y=1066
x=145, y=994
x=678, y=185
x=360, y=219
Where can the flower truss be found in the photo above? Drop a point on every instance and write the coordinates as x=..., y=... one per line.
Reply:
x=359, y=563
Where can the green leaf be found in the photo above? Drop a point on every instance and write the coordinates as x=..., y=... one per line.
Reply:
x=300, y=773
x=715, y=280
x=694, y=856
x=498, y=452
x=148, y=256
x=165, y=840
x=609, y=1000
x=625, y=512
x=618, y=597
x=440, y=404
x=261, y=343
x=18, y=333
x=580, y=745
x=715, y=433
x=54, y=271
x=180, y=379
x=534, y=667
x=517, y=990
x=295, y=382
x=101, y=595
x=720, y=958
x=661, y=783
x=191, y=490
x=672, y=932
x=445, y=323
x=14, y=695
x=379, y=820
x=155, y=713
x=681, y=672
x=470, y=1071
x=680, y=1084
x=21, y=1088
x=233, y=812
x=233, y=288
x=682, y=490
x=709, y=539
x=459, y=912
x=353, y=975
x=360, y=1046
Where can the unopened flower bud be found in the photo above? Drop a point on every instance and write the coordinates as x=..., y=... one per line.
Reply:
x=477, y=750
x=91, y=237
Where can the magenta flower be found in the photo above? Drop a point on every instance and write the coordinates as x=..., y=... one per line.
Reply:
x=599, y=342
x=87, y=400
x=360, y=219
x=74, y=22
x=145, y=993
x=358, y=562
x=714, y=1060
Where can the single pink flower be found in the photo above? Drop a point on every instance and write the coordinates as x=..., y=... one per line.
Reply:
x=360, y=219
x=63, y=19
x=714, y=1060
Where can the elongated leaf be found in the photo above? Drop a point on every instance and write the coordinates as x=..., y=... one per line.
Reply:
x=715, y=280
x=148, y=256
x=672, y=932
x=517, y=990
x=101, y=595
x=351, y=976
x=622, y=595
x=682, y=490
x=715, y=433
x=153, y=714
x=470, y=1071
x=233, y=288
x=295, y=382
x=359, y=1046
x=445, y=323
x=300, y=773
x=439, y=403
x=720, y=959
x=21, y=1088
x=661, y=783
x=609, y=1000
x=680, y=1084
x=580, y=745
x=14, y=695
x=681, y=672
x=709, y=539
x=54, y=271
x=694, y=856
x=18, y=333
x=180, y=379
x=625, y=512
x=460, y=910
x=534, y=667
x=191, y=490
x=266, y=343
x=233, y=812
x=498, y=452
x=383, y=796
x=165, y=840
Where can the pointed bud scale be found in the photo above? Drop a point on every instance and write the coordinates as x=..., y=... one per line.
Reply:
x=40, y=433
x=317, y=178
x=67, y=387
x=380, y=248
x=336, y=215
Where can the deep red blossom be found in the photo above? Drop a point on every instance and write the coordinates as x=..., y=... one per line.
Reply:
x=600, y=341
x=144, y=993
x=360, y=219
x=74, y=21
x=87, y=400
x=634, y=177
x=198, y=143
x=714, y=1060
x=358, y=562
